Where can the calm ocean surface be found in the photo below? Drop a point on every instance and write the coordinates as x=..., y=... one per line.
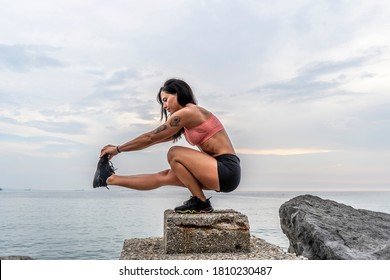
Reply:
x=93, y=224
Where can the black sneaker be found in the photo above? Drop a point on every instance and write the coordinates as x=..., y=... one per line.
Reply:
x=195, y=206
x=104, y=170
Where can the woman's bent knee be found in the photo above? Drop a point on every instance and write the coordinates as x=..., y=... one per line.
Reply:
x=174, y=152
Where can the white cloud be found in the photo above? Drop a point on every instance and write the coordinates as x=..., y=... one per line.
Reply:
x=27, y=57
x=281, y=152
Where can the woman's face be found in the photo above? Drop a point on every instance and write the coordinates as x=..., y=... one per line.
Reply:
x=170, y=102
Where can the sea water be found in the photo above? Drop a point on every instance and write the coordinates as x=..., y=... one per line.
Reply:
x=92, y=224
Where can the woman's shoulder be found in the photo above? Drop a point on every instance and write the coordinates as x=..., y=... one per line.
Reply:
x=196, y=109
x=195, y=114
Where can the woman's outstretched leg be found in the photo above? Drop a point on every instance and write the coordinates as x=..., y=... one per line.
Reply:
x=144, y=182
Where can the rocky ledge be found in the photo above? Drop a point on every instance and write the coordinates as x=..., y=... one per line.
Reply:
x=15, y=258
x=221, y=235
x=153, y=249
x=327, y=230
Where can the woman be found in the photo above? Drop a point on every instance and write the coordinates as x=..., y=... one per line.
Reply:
x=214, y=167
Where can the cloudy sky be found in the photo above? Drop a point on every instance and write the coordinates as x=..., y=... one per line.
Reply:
x=303, y=87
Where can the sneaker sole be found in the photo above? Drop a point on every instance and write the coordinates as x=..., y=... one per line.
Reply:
x=194, y=211
x=96, y=179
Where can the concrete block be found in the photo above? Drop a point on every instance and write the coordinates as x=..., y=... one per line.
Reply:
x=223, y=231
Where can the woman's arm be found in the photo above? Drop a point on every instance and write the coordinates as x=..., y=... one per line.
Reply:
x=163, y=133
x=158, y=135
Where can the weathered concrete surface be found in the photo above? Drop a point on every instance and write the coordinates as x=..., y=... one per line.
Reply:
x=153, y=249
x=325, y=229
x=222, y=231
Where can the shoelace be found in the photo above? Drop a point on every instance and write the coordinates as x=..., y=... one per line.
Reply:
x=110, y=168
x=192, y=198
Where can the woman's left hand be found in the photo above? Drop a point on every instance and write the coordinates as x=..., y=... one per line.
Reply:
x=110, y=150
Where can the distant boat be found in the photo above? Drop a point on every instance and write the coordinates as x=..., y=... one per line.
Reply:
x=1, y=189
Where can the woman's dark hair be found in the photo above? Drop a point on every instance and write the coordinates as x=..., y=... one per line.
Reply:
x=184, y=96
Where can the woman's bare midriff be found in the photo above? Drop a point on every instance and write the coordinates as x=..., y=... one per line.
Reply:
x=217, y=145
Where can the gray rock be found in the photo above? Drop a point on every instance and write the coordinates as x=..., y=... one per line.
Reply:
x=15, y=258
x=325, y=229
x=222, y=231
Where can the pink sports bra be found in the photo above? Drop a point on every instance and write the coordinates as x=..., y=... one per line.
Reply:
x=203, y=132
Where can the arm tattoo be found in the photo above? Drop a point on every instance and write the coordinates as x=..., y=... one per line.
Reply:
x=159, y=129
x=175, y=121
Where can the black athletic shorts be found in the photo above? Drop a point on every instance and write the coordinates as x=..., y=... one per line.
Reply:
x=229, y=172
